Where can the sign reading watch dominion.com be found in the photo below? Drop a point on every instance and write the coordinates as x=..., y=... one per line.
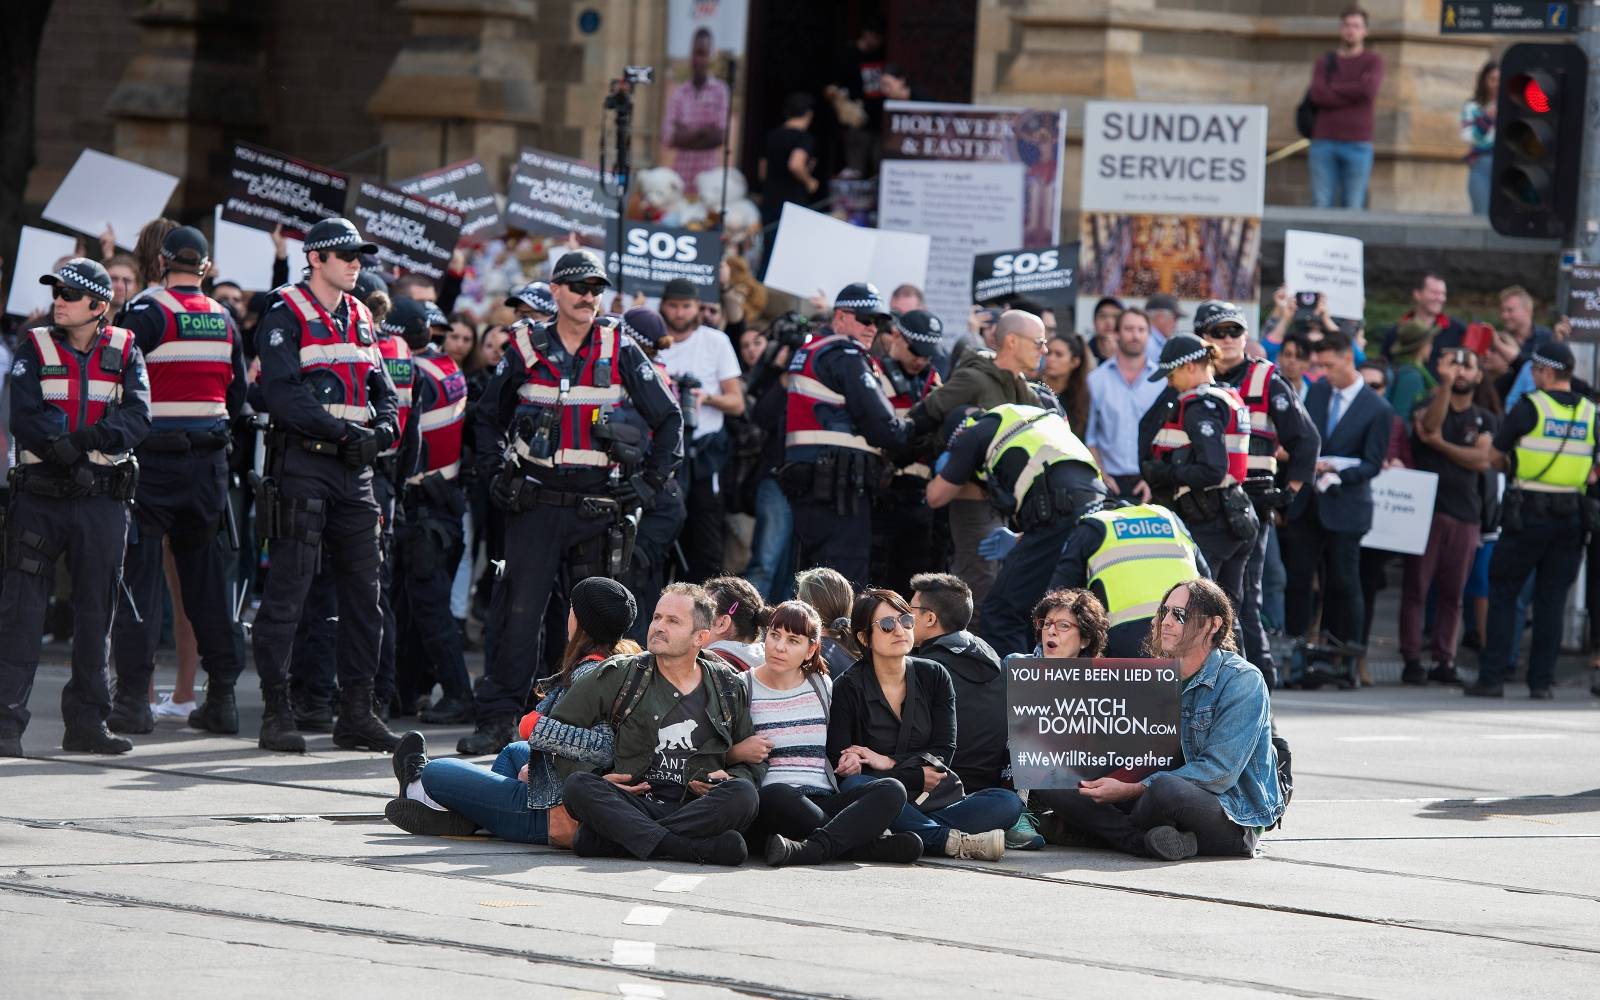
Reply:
x=1074, y=720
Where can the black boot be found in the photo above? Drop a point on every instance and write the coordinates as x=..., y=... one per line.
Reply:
x=311, y=713
x=1413, y=674
x=11, y=745
x=219, y=713
x=96, y=739
x=781, y=851
x=892, y=848
x=491, y=736
x=357, y=728
x=450, y=711
x=277, y=722
x=130, y=713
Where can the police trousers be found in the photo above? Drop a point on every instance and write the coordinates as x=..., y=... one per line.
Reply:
x=182, y=497
x=653, y=554
x=428, y=546
x=1549, y=549
x=383, y=491
x=345, y=531
x=1024, y=577
x=1256, y=647
x=824, y=537
x=90, y=532
x=902, y=535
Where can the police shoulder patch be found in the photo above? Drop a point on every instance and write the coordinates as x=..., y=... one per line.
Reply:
x=1281, y=403
x=500, y=369
x=868, y=381
x=276, y=340
x=1208, y=428
x=647, y=371
x=19, y=368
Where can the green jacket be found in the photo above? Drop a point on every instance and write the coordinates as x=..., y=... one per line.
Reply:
x=588, y=703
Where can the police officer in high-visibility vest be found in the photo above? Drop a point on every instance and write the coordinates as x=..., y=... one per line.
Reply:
x=1042, y=479
x=80, y=404
x=1196, y=462
x=839, y=424
x=388, y=476
x=429, y=539
x=1129, y=557
x=1278, y=421
x=566, y=518
x=197, y=386
x=903, y=536
x=1546, y=446
x=333, y=411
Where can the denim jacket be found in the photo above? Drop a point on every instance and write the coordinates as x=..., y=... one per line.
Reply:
x=1226, y=730
x=551, y=739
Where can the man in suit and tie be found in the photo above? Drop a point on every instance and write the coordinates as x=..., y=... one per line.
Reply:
x=1328, y=518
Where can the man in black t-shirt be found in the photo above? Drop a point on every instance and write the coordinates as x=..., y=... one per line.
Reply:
x=1452, y=438
x=787, y=163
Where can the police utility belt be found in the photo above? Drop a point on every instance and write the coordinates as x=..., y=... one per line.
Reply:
x=81, y=479
x=1519, y=507
x=185, y=442
x=436, y=496
x=1227, y=502
x=842, y=477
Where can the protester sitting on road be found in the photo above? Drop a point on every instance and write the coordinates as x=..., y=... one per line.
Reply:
x=805, y=819
x=830, y=595
x=1070, y=622
x=895, y=715
x=736, y=629
x=452, y=798
x=1226, y=793
x=672, y=792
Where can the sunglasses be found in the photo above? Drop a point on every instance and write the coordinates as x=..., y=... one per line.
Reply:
x=1229, y=332
x=1055, y=626
x=887, y=623
x=588, y=289
x=882, y=323
x=348, y=256
x=68, y=294
x=1179, y=615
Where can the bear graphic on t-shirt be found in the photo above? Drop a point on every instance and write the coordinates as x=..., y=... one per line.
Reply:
x=675, y=736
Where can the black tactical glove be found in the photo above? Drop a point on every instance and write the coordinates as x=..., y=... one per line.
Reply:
x=87, y=439
x=1158, y=474
x=63, y=451
x=359, y=448
x=385, y=436
x=637, y=491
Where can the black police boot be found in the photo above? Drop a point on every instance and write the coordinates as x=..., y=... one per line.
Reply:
x=219, y=713
x=490, y=737
x=130, y=713
x=449, y=712
x=11, y=745
x=1413, y=673
x=95, y=739
x=311, y=713
x=277, y=722
x=357, y=728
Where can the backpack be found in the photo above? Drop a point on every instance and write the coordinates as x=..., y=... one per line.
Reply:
x=1285, y=776
x=1305, y=116
x=631, y=693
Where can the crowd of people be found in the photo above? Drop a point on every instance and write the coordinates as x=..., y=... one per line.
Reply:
x=753, y=580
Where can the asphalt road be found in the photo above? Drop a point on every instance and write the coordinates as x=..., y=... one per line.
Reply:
x=1436, y=848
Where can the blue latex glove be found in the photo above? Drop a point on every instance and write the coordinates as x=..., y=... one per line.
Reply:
x=943, y=460
x=998, y=544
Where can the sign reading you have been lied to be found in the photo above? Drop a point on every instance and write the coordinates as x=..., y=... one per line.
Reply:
x=1073, y=720
x=412, y=234
x=268, y=189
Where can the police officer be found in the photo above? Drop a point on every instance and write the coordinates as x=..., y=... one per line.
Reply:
x=533, y=301
x=333, y=410
x=555, y=385
x=387, y=478
x=1042, y=479
x=840, y=423
x=1278, y=420
x=902, y=523
x=1547, y=447
x=429, y=538
x=1129, y=557
x=197, y=386
x=80, y=404
x=1199, y=458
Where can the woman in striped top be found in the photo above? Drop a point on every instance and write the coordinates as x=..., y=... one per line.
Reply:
x=806, y=819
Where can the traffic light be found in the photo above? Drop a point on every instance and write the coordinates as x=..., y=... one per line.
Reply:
x=1538, y=143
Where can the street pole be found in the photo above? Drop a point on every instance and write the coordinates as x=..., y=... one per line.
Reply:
x=1584, y=247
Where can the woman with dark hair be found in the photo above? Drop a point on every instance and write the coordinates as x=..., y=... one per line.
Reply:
x=1225, y=793
x=514, y=799
x=894, y=715
x=1477, y=131
x=805, y=819
x=1070, y=623
x=461, y=343
x=830, y=594
x=741, y=615
x=1066, y=372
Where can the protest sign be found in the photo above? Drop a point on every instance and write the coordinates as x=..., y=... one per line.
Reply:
x=37, y=253
x=814, y=252
x=1583, y=303
x=972, y=178
x=1172, y=198
x=1045, y=276
x=1402, y=511
x=412, y=234
x=653, y=255
x=1073, y=720
x=244, y=255
x=552, y=195
x=1332, y=265
x=268, y=189
x=101, y=191
x=462, y=188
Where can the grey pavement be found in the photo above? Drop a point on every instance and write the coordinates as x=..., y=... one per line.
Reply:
x=1436, y=847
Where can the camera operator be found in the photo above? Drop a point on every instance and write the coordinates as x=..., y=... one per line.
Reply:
x=702, y=362
x=1303, y=312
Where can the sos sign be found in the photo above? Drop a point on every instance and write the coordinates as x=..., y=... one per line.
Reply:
x=1044, y=275
x=663, y=244
x=654, y=255
x=1026, y=262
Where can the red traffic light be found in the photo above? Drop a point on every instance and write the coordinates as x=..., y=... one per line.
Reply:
x=1534, y=96
x=1533, y=90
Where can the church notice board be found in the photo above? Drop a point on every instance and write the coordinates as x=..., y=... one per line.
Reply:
x=1073, y=720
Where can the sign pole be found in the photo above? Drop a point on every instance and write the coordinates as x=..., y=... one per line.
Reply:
x=1585, y=235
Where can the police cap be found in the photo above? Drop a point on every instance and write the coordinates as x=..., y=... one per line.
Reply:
x=536, y=296
x=922, y=331
x=1179, y=350
x=1556, y=356
x=407, y=318
x=1214, y=313
x=862, y=297
x=185, y=245
x=577, y=267
x=83, y=275
x=336, y=234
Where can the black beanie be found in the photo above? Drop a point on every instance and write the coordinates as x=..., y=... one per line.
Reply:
x=604, y=608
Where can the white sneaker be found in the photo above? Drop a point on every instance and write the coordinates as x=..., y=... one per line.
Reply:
x=166, y=708
x=987, y=846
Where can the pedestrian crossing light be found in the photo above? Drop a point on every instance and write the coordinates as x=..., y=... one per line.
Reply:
x=1538, y=140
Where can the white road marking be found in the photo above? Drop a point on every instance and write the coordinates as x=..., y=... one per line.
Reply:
x=1377, y=739
x=679, y=883
x=633, y=953
x=647, y=916
x=1524, y=736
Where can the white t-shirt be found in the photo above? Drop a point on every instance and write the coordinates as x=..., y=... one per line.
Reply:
x=708, y=356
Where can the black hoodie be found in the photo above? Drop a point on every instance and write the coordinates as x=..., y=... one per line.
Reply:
x=982, y=759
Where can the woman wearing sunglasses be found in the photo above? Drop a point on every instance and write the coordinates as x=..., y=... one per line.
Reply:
x=1226, y=793
x=894, y=715
x=805, y=819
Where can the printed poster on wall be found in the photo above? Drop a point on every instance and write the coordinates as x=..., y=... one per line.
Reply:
x=1171, y=202
x=1072, y=720
x=976, y=180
